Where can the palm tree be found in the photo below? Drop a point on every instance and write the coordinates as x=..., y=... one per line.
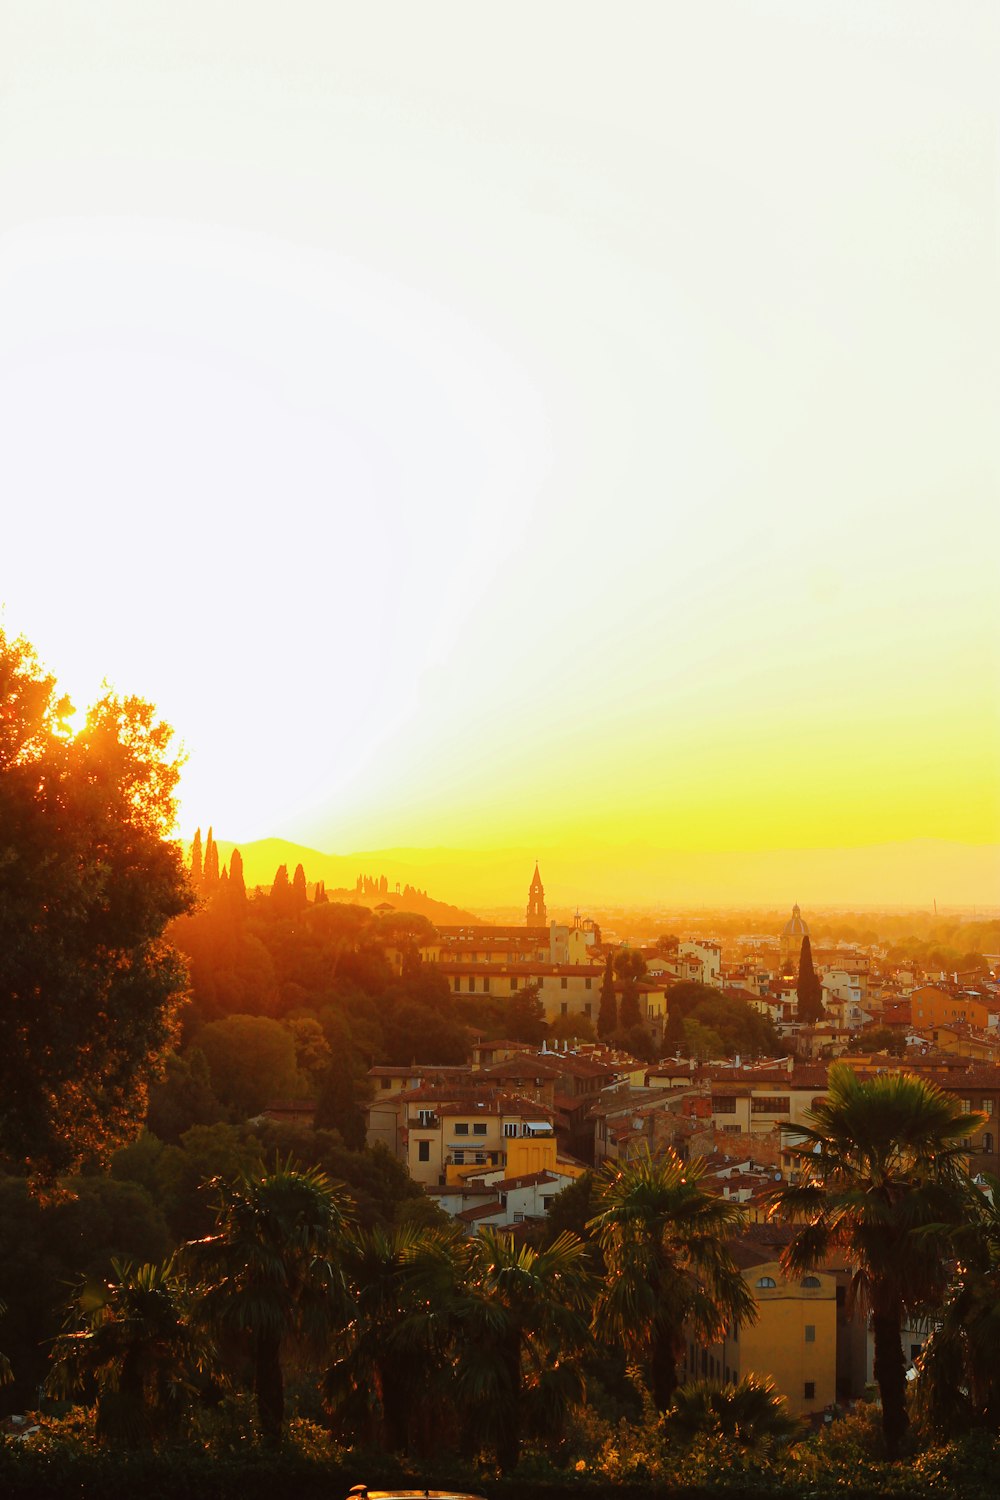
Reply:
x=880, y=1175
x=514, y=1317
x=383, y=1367
x=752, y=1412
x=959, y=1374
x=270, y=1272
x=137, y=1348
x=663, y=1237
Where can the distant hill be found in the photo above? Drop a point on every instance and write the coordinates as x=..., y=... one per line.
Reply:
x=339, y=873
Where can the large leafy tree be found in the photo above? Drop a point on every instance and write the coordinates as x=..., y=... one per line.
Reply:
x=271, y=1274
x=88, y=881
x=136, y=1348
x=881, y=1179
x=663, y=1236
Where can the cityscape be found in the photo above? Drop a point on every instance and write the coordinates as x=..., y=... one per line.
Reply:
x=499, y=751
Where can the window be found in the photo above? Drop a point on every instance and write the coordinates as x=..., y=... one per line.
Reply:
x=588, y=1008
x=462, y=1128
x=967, y=1106
x=513, y=983
x=588, y=984
x=563, y=983
x=458, y=1157
x=770, y=1104
x=486, y=985
x=987, y=1106
x=426, y=1117
x=987, y=1143
x=809, y=1391
x=723, y=1104
x=458, y=984
x=540, y=980
x=510, y=1128
x=732, y=1130
x=811, y=1281
x=480, y=1158
x=385, y=1083
x=767, y=1283
x=564, y=1008
x=472, y=985
x=479, y=1127
x=423, y=1151
x=810, y=1333
x=519, y=1218
x=545, y=1202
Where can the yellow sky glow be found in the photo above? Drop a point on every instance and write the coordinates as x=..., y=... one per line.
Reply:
x=565, y=427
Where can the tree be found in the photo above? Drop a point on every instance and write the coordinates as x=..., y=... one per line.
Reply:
x=271, y=1273
x=607, y=1014
x=210, y=874
x=140, y=1352
x=251, y=1060
x=89, y=990
x=376, y=1383
x=520, y=1312
x=338, y=1106
x=701, y=1042
x=197, y=866
x=808, y=988
x=525, y=1018
x=663, y=1237
x=300, y=895
x=630, y=966
x=880, y=1179
x=237, y=882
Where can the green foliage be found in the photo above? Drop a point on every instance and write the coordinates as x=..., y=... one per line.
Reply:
x=607, y=1014
x=251, y=1061
x=183, y=1097
x=629, y=968
x=752, y=1412
x=88, y=882
x=732, y=1020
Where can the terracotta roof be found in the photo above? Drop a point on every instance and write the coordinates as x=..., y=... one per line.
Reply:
x=484, y=1211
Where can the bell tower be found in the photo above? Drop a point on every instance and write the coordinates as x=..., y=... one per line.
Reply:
x=536, y=913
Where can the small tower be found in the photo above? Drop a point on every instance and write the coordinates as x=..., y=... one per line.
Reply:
x=536, y=914
x=794, y=930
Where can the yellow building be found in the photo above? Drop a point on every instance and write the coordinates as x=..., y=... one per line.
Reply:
x=793, y=1342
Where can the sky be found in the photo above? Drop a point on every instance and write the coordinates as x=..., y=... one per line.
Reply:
x=567, y=427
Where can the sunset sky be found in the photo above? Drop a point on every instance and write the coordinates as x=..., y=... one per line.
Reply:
x=560, y=426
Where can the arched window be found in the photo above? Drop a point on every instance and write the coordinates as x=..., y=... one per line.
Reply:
x=812, y=1281
x=767, y=1283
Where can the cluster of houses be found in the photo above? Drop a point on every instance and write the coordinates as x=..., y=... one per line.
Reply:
x=495, y=1141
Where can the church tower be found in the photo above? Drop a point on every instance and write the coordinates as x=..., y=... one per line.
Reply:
x=536, y=914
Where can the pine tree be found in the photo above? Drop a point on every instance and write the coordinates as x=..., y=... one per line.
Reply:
x=321, y=898
x=281, y=892
x=300, y=895
x=211, y=872
x=196, y=860
x=237, y=883
x=607, y=1015
x=809, y=988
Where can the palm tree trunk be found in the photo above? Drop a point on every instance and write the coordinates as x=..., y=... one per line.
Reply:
x=663, y=1371
x=269, y=1388
x=395, y=1408
x=890, y=1376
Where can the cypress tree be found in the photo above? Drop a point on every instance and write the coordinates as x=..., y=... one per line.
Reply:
x=630, y=968
x=300, y=896
x=281, y=892
x=809, y=987
x=211, y=873
x=321, y=898
x=607, y=1015
x=196, y=860
x=237, y=883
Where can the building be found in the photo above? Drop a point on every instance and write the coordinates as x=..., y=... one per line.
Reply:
x=794, y=930
x=535, y=913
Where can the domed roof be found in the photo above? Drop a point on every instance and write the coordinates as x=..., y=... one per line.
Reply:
x=795, y=927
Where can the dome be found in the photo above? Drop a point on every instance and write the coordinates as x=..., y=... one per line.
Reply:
x=795, y=927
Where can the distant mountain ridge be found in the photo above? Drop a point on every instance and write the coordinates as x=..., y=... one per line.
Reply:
x=339, y=873
x=911, y=873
